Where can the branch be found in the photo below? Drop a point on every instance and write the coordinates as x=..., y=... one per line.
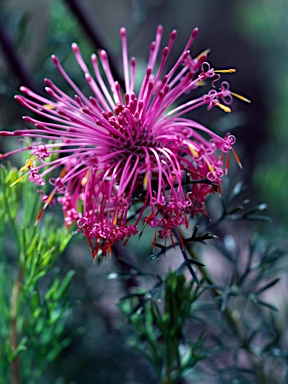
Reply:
x=15, y=63
x=95, y=36
x=15, y=368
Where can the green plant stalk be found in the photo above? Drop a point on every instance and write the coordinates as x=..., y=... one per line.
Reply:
x=232, y=322
x=33, y=331
x=12, y=222
x=15, y=368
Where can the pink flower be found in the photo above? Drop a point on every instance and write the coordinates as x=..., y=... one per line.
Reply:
x=113, y=156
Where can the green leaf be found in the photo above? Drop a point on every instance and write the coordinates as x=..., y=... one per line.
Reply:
x=64, y=285
x=20, y=348
x=268, y=285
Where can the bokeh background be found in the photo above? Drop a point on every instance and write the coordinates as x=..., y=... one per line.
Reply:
x=250, y=36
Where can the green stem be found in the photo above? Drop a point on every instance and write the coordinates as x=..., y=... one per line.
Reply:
x=12, y=222
x=15, y=367
x=231, y=321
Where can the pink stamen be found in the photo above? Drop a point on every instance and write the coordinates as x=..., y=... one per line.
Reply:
x=123, y=153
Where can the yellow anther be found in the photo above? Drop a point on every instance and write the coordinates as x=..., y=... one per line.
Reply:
x=224, y=107
x=201, y=83
x=240, y=97
x=63, y=172
x=145, y=182
x=48, y=106
x=193, y=150
x=115, y=218
x=211, y=169
x=203, y=53
x=50, y=197
x=28, y=164
x=230, y=70
x=18, y=180
x=85, y=178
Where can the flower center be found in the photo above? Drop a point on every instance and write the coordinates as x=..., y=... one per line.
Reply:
x=129, y=134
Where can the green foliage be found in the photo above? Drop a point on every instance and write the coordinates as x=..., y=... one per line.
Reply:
x=161, y=328
x=226, y=301
x=34, y=295
x=246, y=342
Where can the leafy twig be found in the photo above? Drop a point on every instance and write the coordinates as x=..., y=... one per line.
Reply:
x=15, y=368
x=95, y=36
x=15, y=64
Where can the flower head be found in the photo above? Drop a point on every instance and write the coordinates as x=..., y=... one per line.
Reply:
x=118, y=159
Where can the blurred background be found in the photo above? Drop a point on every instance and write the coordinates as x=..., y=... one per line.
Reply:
x=250, y=36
